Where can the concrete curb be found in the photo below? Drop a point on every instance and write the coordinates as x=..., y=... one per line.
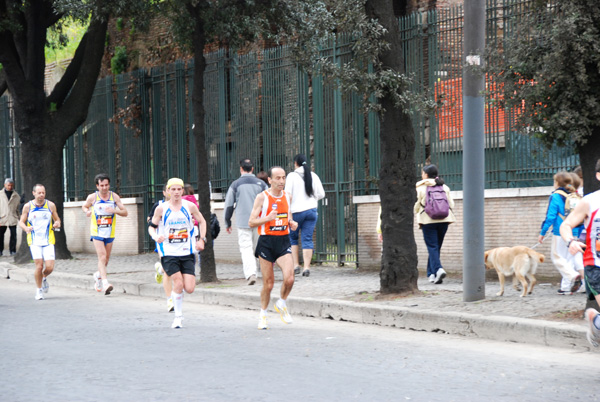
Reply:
x=498, y=328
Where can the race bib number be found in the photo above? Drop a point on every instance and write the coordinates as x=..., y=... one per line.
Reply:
x=104, y=221
x=178, y=235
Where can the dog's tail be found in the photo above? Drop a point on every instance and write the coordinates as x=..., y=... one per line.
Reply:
x=535, y=255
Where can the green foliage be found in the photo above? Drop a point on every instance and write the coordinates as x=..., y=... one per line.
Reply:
x=317, y=24
x=118, y=63
x=119, y=24
x=309, y=27
x=63, y=38
x=549, y=70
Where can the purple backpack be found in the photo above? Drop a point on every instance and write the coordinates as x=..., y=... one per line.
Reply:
x=436, y=202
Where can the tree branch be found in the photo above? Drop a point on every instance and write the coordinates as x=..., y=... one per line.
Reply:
x=3, y=83
x=75, y=107
x=12, y=70
x=62, y=88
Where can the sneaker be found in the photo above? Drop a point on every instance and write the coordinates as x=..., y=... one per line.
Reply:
x=576, y=284
x=593, y=333
x=283, y=313
x=252, y=280
x=177, y=323
x=431, y=278
x=297, y=270
x=262, y=322
x=158, y=276
x=45, y=286
x=107, y=289
x=98, y=282
x=39, y=295
x=564, y=292
x=170, y=306
x=439, y=276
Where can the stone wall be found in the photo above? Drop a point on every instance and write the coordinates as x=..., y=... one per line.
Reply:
x=128, y=233
x=513, y=217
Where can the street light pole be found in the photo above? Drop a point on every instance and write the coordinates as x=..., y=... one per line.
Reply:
x=473, y=151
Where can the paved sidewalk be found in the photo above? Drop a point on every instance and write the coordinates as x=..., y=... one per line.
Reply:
x=342, y=293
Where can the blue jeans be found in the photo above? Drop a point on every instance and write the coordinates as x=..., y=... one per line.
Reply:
x=307, y=220
x=433, y=234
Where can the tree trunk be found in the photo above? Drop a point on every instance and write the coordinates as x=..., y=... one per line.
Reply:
x=42, y=163
x=208, y=270
x=588, y=156
x=397, y=191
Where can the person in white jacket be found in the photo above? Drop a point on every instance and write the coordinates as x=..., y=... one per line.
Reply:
x=305, y=190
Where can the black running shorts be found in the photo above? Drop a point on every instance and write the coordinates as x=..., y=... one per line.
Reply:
x=592, y=280
x=270, y=248
x=185, y=264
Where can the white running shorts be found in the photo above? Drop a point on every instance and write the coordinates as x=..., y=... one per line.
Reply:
x=42, y=252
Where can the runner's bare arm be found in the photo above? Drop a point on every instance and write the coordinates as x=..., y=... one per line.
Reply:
x=55, y=216
x=88, y=204
x=293, y=224
x=573, y=220
x=155, y=221
x=122, y=211
x=23, y=220
x=254, y=220
x=201, y=224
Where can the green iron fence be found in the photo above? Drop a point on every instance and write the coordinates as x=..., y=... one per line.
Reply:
x=433, y=53
x=261, y=105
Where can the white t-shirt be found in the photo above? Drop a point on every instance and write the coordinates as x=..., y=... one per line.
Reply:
x=294, y=187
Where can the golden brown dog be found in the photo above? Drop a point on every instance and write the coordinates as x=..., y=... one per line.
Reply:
x=520, y=261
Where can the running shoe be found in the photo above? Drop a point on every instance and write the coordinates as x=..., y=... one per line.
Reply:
x=39, y=294
x=177, y=323
x=262, y=322
x=431, y=278
x=98, y=282
x=593, y=333
x=158, y=276
x=576, y=284
x=283, y=313
x=563, y=292
x=45, y=286
x=170, y=306
x=252, y=280
x=439, y=276
x=107, y=289
x=297, y=270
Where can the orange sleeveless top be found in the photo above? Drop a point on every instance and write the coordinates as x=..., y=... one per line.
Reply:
x=279, y=226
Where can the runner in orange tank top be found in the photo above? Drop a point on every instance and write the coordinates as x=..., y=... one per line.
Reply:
x=271, y=215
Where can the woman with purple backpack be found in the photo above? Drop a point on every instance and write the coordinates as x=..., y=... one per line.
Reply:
x=434, y=213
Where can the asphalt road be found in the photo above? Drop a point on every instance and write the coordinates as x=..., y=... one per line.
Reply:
x=78, y=345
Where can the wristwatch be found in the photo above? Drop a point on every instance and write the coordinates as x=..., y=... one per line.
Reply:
x=203, y=239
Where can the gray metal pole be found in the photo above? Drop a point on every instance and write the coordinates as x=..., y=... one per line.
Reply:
x=473, y=152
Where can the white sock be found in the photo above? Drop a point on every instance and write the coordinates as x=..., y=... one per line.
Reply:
x=263, y=312
x=39, y=289
x=177, y=303
x=104, y=282
x=281, y=302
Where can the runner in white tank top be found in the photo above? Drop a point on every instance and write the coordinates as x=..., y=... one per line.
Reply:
x=175, y=239
x=39, y=220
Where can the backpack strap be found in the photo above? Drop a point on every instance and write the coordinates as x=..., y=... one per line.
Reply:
x=564, y=194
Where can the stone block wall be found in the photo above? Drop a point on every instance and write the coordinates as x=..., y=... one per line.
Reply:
x=128, y=233
x=513, y=217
